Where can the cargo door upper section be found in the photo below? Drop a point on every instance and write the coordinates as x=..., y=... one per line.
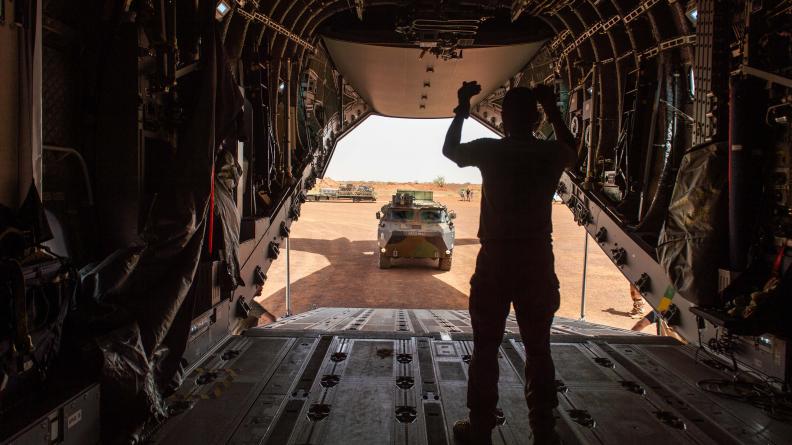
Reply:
x=405, y=81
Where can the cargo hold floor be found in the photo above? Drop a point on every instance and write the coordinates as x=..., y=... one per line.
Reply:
x=396, y=376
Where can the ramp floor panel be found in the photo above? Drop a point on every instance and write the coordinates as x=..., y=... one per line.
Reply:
x=349, y=376
x=416, y=321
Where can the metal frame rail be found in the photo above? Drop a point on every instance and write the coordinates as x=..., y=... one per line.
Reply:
x=631, y=255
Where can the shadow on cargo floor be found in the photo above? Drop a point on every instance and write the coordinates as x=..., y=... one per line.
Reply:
x=353, y=279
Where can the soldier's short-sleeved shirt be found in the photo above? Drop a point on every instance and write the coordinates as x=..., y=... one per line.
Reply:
x=520, y=177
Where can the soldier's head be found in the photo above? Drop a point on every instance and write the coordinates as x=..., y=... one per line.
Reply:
x=519, y=112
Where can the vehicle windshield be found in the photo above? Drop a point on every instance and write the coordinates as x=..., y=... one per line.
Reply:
x=401, y=215
x=432, y=216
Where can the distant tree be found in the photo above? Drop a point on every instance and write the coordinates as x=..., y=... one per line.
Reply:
x=439, y=181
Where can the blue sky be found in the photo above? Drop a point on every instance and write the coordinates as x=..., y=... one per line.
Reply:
x=402, y=150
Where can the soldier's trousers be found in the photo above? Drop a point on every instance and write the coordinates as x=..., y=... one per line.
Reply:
x=519, y=273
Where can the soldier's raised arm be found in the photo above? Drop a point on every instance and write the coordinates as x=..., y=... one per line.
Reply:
x=547, y=99
x=451, y=147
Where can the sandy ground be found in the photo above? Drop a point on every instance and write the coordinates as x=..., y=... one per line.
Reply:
x=447, y=194
x=334, y=263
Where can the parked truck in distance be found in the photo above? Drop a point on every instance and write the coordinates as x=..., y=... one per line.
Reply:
x=357, y=193
x=351, y=192
x=324, y=194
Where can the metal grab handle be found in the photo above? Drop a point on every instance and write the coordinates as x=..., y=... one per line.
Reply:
x=84, y=166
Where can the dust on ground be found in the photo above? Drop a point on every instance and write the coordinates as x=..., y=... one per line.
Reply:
x=334, y=262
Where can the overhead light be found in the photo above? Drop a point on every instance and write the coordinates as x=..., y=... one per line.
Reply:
x=223, y=7
x=692, y=80
x=692, y=14
x=359, y=8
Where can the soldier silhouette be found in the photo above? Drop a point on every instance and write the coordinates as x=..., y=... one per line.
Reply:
x=515, y=263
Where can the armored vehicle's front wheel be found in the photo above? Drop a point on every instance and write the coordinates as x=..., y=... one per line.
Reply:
x=384, y=262
x=445, y=264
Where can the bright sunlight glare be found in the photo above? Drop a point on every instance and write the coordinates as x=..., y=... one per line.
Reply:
x=402, y=150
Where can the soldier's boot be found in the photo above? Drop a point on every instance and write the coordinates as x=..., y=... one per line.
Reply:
x=543, y=422
x=637, y=309
x=546, y=438
x=465, y=434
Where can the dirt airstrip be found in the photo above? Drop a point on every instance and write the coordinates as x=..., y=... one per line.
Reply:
x=334, y=263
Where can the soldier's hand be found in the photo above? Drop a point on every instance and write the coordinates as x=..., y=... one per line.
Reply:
x=546, y=97
x=467, y=91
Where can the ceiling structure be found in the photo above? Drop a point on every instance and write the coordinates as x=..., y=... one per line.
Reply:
x=407, y=81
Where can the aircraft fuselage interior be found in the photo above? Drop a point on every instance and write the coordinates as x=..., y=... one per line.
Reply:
x=154, y=156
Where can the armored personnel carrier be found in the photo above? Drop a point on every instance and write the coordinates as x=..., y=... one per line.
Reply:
x=413, y=225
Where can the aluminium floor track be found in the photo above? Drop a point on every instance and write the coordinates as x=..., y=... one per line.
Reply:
x=349, y=376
